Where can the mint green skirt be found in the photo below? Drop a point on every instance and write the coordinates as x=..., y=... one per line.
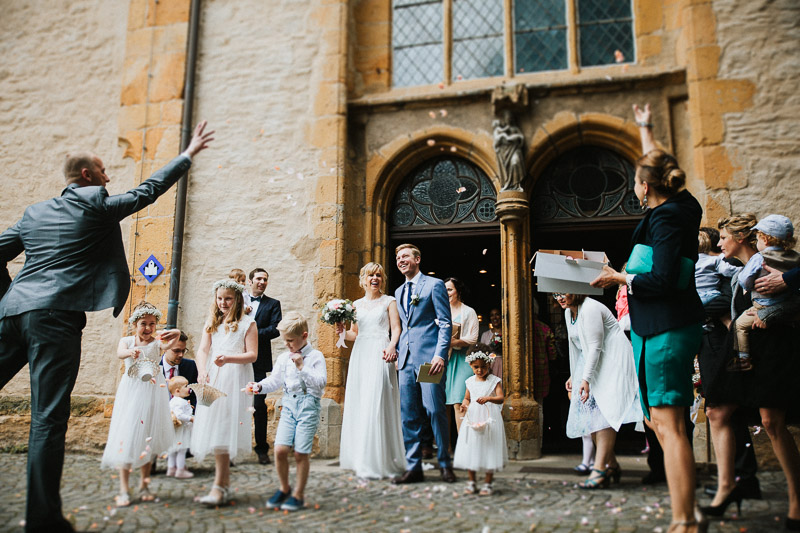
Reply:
x=665, y=364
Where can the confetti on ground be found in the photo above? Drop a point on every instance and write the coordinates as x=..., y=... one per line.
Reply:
x=431, y=142
x=277, y=167
x=262, y=131
x=619, y=57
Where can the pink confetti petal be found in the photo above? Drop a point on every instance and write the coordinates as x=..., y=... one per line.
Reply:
x=432, y=114
x=453, y=149
x=443, y=112
x=461, y=189
x=619, y=57
x=431, y=142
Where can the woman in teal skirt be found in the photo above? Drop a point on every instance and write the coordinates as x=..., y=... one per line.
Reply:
x=666, y=313
x=457, y=368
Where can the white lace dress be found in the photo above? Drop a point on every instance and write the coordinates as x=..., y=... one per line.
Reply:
x=372, y=435
x=225, y=425
x=141, y=424
x=484, y=449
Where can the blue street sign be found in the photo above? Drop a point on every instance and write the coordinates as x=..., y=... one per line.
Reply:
x=151, y=268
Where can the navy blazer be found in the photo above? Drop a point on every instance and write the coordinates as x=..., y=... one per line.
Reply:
x=188, y=369
x=74, y=256
x=267, y=317
x=656, y=304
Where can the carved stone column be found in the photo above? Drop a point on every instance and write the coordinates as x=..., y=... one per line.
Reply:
x=521, y=411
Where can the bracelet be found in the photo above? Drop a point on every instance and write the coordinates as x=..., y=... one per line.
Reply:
x=644, y=124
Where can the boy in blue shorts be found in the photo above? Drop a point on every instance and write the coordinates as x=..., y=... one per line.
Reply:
x=302, y=374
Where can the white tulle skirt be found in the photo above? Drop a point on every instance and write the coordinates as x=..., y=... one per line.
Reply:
x=372, y=435
x=226, y=425
x=141, y=423
x=485, y=449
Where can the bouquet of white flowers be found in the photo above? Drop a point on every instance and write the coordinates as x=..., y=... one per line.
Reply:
x=338, y=311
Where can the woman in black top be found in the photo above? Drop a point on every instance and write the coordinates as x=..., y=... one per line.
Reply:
x=666, y=313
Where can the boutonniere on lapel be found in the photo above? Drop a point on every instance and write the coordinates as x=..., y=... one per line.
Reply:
x=414, y=299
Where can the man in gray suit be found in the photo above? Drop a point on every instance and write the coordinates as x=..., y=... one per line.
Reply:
x=74, y=262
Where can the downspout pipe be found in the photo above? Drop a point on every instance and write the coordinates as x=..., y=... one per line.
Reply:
x=181, y=192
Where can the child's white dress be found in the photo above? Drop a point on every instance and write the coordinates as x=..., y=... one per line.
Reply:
x=182, y=410
x=225, y=425
x=481, y=450
x=141, y=425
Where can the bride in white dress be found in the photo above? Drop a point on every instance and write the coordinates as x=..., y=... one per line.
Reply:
x=372, y=436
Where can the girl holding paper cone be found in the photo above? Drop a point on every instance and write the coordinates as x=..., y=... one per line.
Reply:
x=666, y=312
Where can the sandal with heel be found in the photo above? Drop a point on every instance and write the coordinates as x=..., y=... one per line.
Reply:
x=601, y=481
x=211, y=501
x=615, y=472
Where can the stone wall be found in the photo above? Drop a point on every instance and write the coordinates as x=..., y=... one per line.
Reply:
x=759, y=41
x=60, y=82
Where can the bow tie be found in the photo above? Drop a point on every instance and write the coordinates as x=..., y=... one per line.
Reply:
x=256, y=298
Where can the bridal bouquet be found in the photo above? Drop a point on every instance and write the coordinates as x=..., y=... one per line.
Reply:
x=338, y=311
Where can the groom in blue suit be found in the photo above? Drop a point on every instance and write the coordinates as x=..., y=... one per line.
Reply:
x=424, y=311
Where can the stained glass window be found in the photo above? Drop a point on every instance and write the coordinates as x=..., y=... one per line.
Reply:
x=587, y=182
x=540, y=35
x=417, y=50
x=444, y=190
x=478, y=38
x=605, y=26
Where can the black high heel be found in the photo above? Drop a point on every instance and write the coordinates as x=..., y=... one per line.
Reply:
x=718, y=510
x=615, y=472
x=792, y=524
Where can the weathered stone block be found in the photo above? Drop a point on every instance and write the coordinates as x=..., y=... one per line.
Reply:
x=648, y=16
x=161, y=13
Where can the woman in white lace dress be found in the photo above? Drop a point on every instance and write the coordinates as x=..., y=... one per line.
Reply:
x=372, y=436
x=603, y=384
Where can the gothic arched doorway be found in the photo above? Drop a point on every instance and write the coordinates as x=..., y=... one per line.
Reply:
x=583, y=199
x=445, y=206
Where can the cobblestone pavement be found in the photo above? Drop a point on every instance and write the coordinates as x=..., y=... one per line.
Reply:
x=533, y=495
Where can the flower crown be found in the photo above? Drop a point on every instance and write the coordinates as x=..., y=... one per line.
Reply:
x=488, y=357
x=144, y=311
x=228, y=284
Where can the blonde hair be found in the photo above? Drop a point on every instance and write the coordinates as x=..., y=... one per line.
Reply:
x=237, y=274
x=786, y=244
x=293, y=323
x=368, y=270
x=740, y=227
x=660, y=170
x=230, y=319
x=703, y=243
x=176, y=383
x=414, y=249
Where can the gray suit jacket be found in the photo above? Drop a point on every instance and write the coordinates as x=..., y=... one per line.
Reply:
x=74, y=256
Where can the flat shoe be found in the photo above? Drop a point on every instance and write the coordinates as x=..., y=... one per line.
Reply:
x=122, y=500
x=183, y=474
x=211, y=501
x=583, y=468
x=145, y=495
x=470, y=488
x=486, y=490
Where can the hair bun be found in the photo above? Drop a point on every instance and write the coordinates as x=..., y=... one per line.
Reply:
x=675, y=180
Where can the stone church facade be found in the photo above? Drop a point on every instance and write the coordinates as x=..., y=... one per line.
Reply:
x=480, y=129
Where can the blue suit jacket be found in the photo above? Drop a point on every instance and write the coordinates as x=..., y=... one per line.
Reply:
x=74, y=256
x=422, y=338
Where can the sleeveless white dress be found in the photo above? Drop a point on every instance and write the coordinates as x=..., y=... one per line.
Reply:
x=225, y=425
x=141, y=423
x=486, y=449
x=372, y=435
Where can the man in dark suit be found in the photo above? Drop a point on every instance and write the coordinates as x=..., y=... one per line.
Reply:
x=74, y=262
x=173, y=364
x=267, y=313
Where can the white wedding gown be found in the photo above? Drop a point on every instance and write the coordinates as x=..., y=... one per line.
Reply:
x=372, y=436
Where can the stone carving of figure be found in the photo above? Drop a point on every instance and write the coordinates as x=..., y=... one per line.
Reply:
x=508, y=144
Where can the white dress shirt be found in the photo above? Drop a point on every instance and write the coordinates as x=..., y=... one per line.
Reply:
x=286, y=375
x=413, y=288
x=166, y=366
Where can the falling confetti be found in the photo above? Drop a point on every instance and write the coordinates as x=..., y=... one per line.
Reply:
x=619, y=57
x=277, y=167
x=163, y=385
x=453, y=149
x=756, y=430
x=443, y=112
x=251, y=409
x=461, y=189
x=441, y=85
x=484, y=251
x=431, y=142
x=432, y=114
x=521, y=69
x=459, y=77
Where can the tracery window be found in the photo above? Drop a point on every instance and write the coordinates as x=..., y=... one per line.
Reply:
x=586, y=182
x=449, y=40
x=443, y=191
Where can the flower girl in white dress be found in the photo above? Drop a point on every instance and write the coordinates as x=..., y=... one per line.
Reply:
x=481, y=442
x=228, y=346
x=372, y=436
x=141, y=424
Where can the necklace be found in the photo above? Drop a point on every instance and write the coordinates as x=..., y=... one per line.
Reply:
x=573, y=317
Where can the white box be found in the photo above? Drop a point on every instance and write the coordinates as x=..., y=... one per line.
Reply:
x=568, y=271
